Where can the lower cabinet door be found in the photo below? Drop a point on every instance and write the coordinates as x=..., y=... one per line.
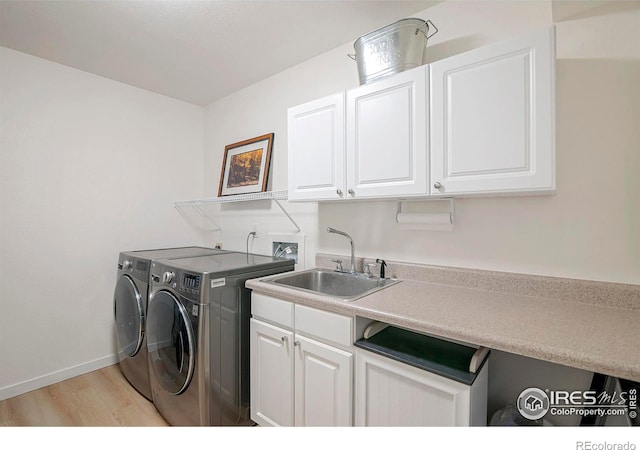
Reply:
x=323, y=384
x=390, y=393
x=271, y=374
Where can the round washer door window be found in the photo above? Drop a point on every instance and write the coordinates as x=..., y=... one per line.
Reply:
x=129, y=314
x=170, y=341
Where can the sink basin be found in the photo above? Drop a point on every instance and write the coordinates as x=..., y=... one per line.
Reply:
x=344, y=286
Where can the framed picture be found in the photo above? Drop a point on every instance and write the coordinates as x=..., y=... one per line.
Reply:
x=245, y=167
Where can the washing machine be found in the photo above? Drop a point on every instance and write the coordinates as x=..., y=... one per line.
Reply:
x=198, y=336
x=130, y=309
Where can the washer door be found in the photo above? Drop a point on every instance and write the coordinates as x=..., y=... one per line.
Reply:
x=129, y=314
x=171, y=342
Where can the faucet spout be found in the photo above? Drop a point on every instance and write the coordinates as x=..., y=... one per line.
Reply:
x=353, y=252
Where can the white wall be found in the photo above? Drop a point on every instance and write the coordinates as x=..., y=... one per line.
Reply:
x=87, y=169
x=587, y=230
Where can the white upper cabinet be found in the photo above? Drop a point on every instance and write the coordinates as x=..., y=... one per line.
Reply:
x=386, y=142
x=387, y=136
x=492, y=118
x=316, y=149
x=478, y=123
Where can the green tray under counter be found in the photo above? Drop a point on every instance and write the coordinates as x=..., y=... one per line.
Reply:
x=448, y=359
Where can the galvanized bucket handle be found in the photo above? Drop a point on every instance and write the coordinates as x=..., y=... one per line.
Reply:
x=426, y=24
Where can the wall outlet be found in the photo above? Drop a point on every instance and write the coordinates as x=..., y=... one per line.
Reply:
x=218, y=246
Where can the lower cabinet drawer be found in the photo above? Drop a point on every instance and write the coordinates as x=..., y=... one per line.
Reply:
x=328, y=326
x=279, y=312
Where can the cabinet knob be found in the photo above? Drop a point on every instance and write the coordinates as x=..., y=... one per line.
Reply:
x=351, y=192
x=437, y=185
x=284, y=339
x=296, y=343
x=339, y=192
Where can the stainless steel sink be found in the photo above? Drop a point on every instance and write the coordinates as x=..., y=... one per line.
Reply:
x=345, y=286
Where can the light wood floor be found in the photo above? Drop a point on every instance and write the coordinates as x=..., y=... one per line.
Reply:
x=100, y=398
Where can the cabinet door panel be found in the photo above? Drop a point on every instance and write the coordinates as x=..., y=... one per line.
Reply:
x=492, y=118
x=316, y=149
x=390, y=393
x=271, y=375
x=474, y=90
x=386, y=136
x=323, y=377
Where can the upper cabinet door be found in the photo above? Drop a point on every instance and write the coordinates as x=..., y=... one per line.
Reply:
x=492, y=118
x=316, y=149
x=387, y=136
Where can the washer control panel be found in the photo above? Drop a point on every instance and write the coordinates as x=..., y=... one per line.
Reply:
x=187, y=284
x=190, y=283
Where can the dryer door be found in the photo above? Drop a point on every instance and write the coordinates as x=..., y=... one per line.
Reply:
x=129, y=314
x=171, y=342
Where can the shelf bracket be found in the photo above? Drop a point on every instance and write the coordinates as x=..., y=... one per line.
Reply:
x=287, y=214
x=180, y=205
x=275, y=196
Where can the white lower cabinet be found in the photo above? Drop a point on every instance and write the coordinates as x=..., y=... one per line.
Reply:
x=392, y=393
x=323, y=380
x=271, y=375
x=306, y=371
x=300, y=377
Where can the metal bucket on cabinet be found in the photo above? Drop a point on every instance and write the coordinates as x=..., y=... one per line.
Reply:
x=392, y=49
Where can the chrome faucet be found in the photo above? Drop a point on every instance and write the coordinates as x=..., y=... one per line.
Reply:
x=353, y=257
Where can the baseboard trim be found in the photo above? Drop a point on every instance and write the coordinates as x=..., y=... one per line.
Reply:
x=56, y=377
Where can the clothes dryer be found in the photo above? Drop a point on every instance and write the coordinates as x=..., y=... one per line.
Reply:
x=130, y=309
x=198, y=336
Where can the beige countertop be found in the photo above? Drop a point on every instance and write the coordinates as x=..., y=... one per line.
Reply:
x=594, y=335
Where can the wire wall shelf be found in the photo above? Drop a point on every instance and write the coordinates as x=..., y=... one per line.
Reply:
x=199, y=204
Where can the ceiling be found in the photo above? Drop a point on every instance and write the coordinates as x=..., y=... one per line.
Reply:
x=196, y=51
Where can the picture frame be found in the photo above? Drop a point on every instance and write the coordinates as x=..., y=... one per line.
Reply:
x=245, y=166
